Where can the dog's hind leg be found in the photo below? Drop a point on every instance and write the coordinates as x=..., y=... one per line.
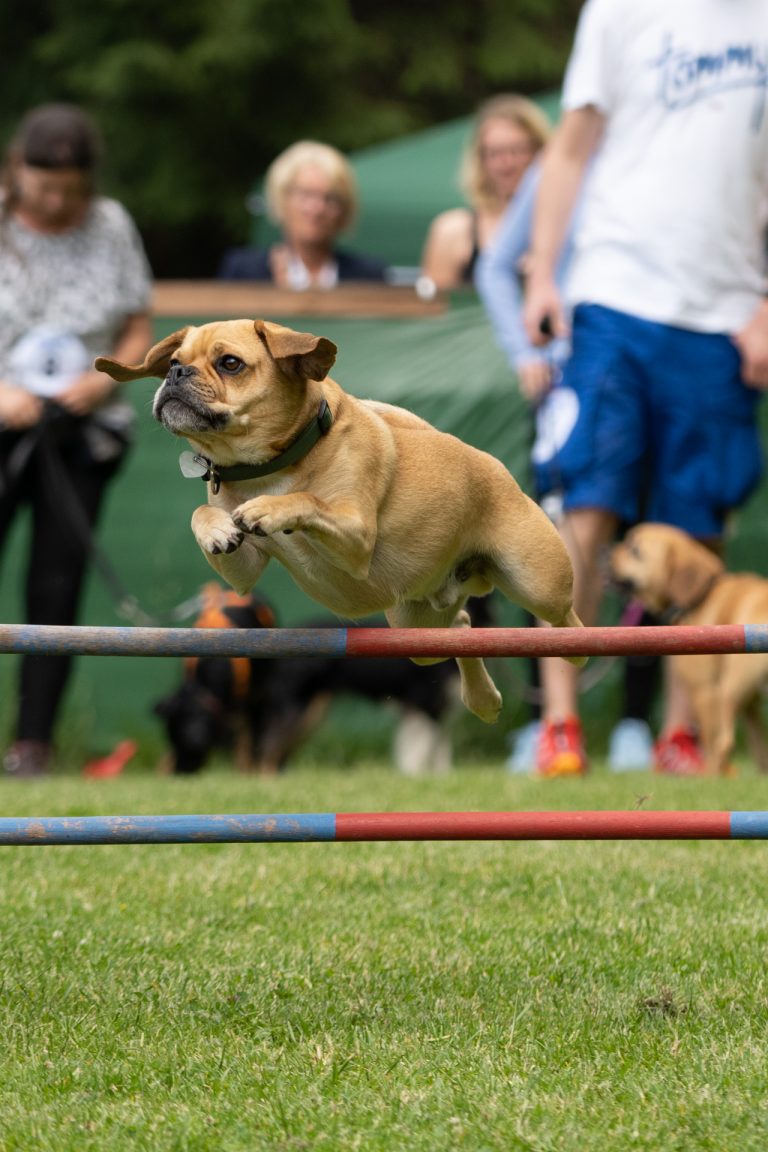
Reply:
x=478, y=692
x=738, y=695
x=534, y=571
x=756, y=734
x=284, y=726
x=242, y=750
x=713, y=708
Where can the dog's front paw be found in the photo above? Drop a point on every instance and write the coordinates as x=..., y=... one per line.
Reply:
x=267, y=515
x=216, y=531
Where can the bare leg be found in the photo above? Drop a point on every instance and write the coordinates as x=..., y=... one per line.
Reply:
x=585, y=532
x=678, y=712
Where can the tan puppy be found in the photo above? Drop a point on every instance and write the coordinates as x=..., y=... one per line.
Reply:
x=681, y=581
x=368, y=507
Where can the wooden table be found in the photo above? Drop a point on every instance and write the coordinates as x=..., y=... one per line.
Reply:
x=240, y=298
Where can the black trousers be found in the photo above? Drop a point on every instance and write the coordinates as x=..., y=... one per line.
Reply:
x=642, y=679
x=51, y=470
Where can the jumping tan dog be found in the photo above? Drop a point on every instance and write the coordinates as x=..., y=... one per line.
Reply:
x=369, y=508
x=680, y=580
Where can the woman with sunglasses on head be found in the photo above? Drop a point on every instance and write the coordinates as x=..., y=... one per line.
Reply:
x=508, y=132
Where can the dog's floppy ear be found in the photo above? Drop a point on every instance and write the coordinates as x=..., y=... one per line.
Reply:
x=156, y=361
x=312, y=356
x=692, y=569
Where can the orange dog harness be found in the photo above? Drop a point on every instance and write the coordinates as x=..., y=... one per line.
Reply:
x=214, y=602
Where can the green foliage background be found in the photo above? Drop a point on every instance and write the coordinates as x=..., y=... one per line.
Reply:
x=195, y=100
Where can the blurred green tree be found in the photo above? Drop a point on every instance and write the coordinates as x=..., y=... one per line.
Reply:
x=196, y=99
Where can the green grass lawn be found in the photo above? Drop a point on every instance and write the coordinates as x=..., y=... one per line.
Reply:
x=430, y=996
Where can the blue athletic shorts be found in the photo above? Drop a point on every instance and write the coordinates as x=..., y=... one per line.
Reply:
x=663, y=427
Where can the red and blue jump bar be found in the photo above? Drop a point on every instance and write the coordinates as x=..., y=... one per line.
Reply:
x=446, y=642
x=383, y=826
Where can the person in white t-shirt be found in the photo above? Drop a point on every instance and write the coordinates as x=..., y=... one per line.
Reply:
x=669, y=321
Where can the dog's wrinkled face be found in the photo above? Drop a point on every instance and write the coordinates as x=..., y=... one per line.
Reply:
x=210, y=380
x=663, y=567
x=239, y=381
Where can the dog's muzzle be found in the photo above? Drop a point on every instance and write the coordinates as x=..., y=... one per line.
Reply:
x=621, y=584
x=179, y=407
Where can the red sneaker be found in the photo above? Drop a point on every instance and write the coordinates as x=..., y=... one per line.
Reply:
x=112, y=764
x=561, y=749
x=678, y=754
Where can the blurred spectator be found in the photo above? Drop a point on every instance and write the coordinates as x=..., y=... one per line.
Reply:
x=507, y=133
x=499, y=278
x=311, y=194
x=670, y=323
x=74, y=283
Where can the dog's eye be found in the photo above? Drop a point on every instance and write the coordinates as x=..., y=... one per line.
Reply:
x=230, y=364
x=174, y=363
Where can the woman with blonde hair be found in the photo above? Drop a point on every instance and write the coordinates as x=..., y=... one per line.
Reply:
x=311, y=194
x=507, y=133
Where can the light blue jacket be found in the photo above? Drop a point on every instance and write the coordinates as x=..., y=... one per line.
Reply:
x=498, y=281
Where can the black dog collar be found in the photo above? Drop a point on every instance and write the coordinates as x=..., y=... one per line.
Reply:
x=197, y=467
x=675, y=612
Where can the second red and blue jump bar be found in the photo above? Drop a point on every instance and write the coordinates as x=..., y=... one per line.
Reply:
x=383, y=826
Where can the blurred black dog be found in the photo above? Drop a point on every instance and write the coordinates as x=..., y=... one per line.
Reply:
x=264, y=709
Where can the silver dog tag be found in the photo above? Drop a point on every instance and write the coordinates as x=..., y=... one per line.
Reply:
x=192, y=466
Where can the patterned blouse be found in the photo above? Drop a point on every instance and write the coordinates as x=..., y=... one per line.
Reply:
x=84, y=283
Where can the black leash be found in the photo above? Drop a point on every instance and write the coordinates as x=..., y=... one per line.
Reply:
x=42, y=438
